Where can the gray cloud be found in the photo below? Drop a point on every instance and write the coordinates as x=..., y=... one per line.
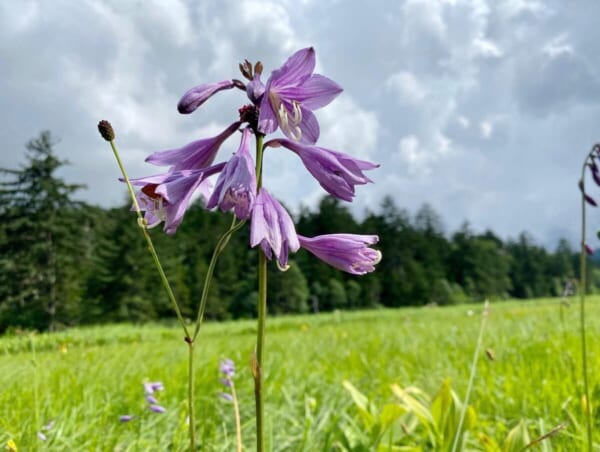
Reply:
x=484, y=109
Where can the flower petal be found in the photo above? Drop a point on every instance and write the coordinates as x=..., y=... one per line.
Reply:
x=195, y=155
x=296, y=70
x=309, y=127
x=315, y=93
x=196, y=96
x=267, y=120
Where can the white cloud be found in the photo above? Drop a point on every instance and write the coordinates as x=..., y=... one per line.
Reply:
x=486, y=48
x=558, y=46
x=408, y=88
x=486, y=128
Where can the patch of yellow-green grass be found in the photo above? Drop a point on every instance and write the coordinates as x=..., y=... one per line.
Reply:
x=87, y=377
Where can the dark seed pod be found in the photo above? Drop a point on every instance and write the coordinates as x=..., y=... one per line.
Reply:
x=106, y=130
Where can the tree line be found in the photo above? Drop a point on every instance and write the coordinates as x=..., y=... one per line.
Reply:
x=64, y=262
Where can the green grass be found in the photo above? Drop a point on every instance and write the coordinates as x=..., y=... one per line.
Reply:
x=535, y=375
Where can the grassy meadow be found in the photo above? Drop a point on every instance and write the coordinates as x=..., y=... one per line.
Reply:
x=83, y=379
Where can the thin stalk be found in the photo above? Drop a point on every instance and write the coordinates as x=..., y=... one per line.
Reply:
x=582, y=289
x=221, y=244
x=262, y=318
x=143, y=226
x=463, y=413
x=260, y=344
x=192, y=418
x=36, y=399
x=238, y=422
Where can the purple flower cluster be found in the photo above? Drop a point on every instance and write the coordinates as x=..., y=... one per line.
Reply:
x=150, y=390
x=285, y=102
x=227, y=368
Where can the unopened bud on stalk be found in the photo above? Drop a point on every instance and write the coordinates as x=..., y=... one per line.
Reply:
x=106, y=130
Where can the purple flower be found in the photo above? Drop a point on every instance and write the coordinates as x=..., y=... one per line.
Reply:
x=236, y=185
x=226, y=396
x=166, y=197
x=336, y=172
x=291, y=93
x=41, y=436
x=227, y=367
x=126, y=418
x=255, y=89
x=196, y=96
x=157, y=408
x=151, y=399
x=151, y=387
x=272, y=227
x=195, y=155
x=346, y=252
x=588, y=249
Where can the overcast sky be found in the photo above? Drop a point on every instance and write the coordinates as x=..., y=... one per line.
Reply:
x=484, y=109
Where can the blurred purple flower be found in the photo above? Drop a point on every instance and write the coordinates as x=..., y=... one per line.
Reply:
x=338, y=173
x=151, y=399
x=41, y=436
x=236, y=186
x=126, y=418
x=588, y=249
x=346, y=252
x=226, y=396
x=291, y=93
x=225, y=382
x=151, y=387
x=227, y=367
x=157, y=408
x=195, y=155
x=272, y=228
x=196, y=96
x=166, y=197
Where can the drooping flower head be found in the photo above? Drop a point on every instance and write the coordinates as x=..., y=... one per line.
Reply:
x=236, y=186
x=195, y=155
x=336, y=172
x=196, y=96
x=166, y=197
x=291, y=94
x=346, y=252
x=273, y=228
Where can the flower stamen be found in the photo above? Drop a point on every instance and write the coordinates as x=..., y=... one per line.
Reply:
x=289, y=121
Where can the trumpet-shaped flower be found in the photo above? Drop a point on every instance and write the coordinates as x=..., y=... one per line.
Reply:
x=336, y=172
x=291, y=94
x=195, y=155
x=166, y=197
x=236, y=185
x=196, y=96
x=272, y=228
x=346, y=252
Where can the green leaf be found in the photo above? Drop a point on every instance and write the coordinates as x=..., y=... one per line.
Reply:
x=517, y=439
x=366, y=410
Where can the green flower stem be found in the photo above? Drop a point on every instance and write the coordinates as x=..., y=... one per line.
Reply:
x=262, y=317
x=484, y=316
x=143, y=226
x=192, y=417
x=238, y=423
x=582, y=288
x=221, y=244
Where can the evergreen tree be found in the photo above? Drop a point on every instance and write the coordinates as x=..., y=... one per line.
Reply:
x=41, y=244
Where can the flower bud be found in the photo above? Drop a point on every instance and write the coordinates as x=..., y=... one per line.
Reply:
x=106, y=130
